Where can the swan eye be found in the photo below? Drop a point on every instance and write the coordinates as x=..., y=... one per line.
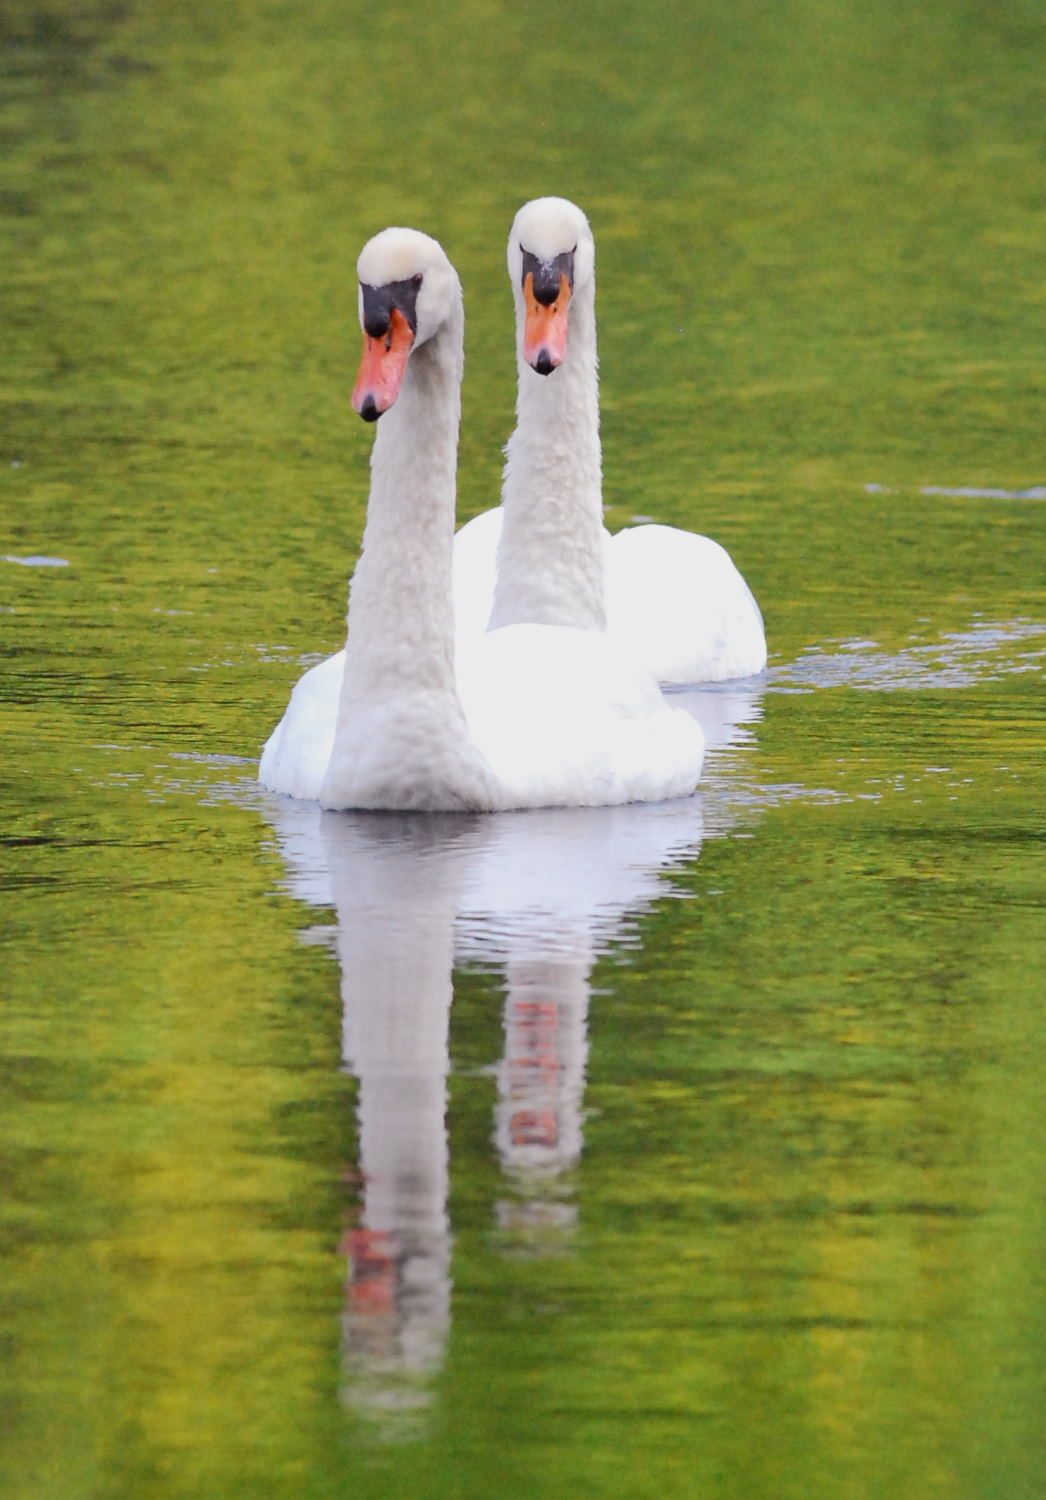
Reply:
x=416, y=280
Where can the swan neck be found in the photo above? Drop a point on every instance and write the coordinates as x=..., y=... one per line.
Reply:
x=400, y=614
x=401, y=740
x=550, y=559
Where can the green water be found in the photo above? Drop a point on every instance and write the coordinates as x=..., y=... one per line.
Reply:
x=801, y=1250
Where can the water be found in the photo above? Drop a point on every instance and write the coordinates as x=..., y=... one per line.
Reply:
x=693, y=1150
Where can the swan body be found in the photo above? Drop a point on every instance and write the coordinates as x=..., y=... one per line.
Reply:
x=674, y=597
x=529, y=715
x=609, y=745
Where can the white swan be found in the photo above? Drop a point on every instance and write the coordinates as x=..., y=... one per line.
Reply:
x=675, y=597
x=536, y=715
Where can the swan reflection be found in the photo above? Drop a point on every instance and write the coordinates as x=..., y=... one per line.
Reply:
x=536, y=895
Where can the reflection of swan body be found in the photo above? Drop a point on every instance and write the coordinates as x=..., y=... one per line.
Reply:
x=535, y=715
x=676, y=598
x=538, y=896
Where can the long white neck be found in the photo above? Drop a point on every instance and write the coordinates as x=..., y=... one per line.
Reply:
x=401, y=740
x=550, y=558
x=400, y=620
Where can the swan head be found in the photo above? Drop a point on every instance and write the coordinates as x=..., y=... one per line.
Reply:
x=551, y=257
x=408, y=291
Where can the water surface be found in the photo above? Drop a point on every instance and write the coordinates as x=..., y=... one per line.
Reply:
x=678, y=1151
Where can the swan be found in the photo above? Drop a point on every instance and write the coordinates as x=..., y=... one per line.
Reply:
x=529, y=715
x=544, y=556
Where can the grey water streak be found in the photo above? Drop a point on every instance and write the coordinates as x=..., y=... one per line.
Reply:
x=985, y=650
x=968, y=491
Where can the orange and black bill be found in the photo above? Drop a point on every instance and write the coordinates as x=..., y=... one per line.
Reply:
x=547, y=290
x=389, y=318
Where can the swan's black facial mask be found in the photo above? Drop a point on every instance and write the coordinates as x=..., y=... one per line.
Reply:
x=548, y=286
x=379, y=301
x=390, y=326
x=548, y=275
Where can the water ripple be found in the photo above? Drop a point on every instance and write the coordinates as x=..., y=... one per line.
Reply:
x=985, y=651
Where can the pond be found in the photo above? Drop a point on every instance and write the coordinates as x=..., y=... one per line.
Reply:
x=693, y=1149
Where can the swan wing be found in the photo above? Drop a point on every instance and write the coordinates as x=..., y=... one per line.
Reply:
x=682, y=606
x=297, y=752
x=476, y=571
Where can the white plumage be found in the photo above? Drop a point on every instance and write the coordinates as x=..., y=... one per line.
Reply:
x=531, y=715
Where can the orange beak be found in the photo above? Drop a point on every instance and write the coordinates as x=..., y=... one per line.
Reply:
x=381, y=368
x=545, y=329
